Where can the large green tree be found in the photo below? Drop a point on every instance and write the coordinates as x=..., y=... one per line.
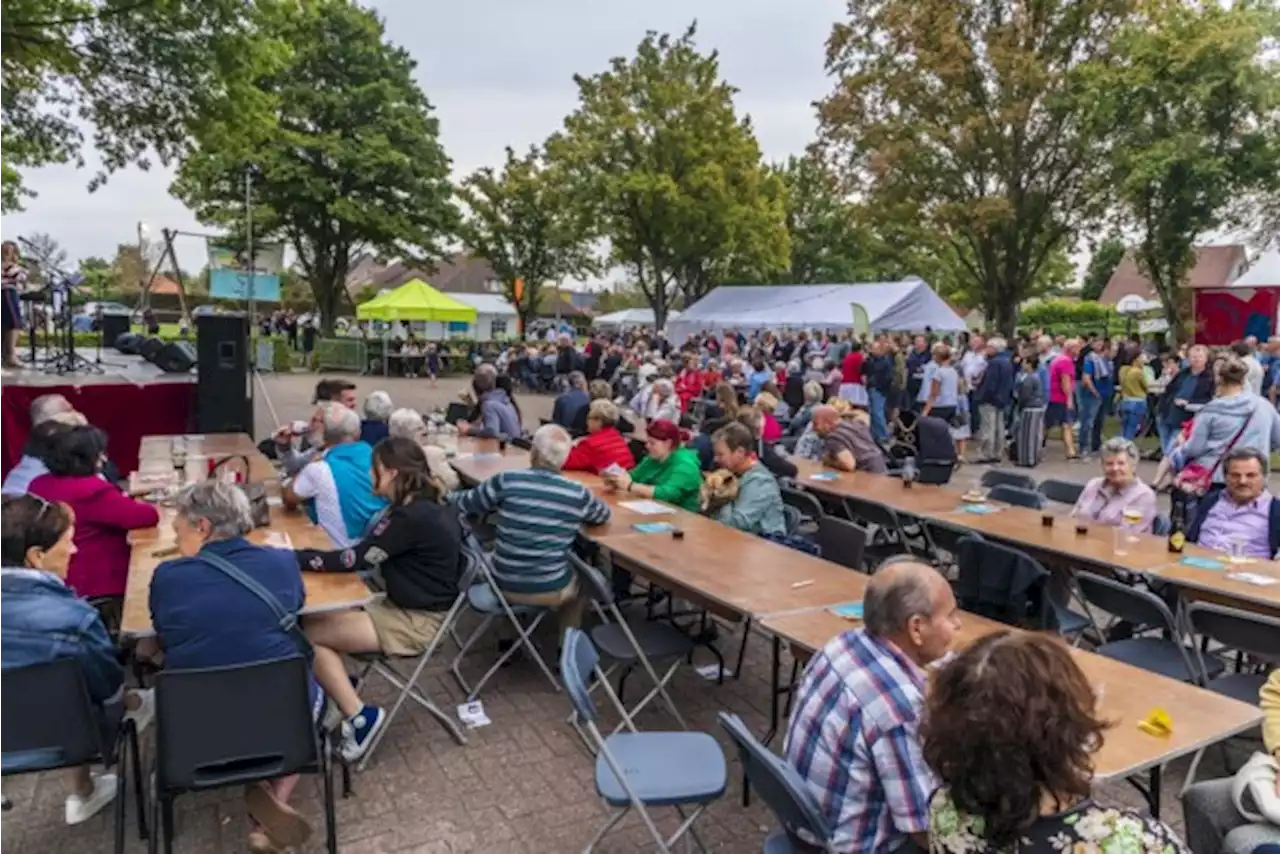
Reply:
x=976, y=121
x=1194, y=100
x=1106, y=256
x=137, y=75
x=349, y=161
x=659, y=161
x=829, y=242
x=520, y=222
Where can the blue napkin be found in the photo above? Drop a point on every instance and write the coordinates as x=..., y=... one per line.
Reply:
x=849, y=610
x=824, y=475
x=1202, y=562
x=979, y=509
x=654, y=527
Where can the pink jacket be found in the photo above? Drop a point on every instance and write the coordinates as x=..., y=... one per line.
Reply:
x=104, y=516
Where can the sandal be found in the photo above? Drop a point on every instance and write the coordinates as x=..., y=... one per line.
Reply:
x=281, y=822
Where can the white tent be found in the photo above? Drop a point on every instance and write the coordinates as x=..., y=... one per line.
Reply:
x=1265, y=272
x=909, y=306
x=631, y=317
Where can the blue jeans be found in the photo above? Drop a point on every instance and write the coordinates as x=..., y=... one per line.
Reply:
x=1168, y=433
x=879, y=426
x=1131, y=414
x=1089, y=407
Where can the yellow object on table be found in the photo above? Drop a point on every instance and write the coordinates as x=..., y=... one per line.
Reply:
x=1158, y=723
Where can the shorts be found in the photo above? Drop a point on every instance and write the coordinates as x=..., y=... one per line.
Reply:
x=11, y=310
x=401, y=632
x=1056, y=414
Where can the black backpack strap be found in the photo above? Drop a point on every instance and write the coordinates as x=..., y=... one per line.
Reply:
x=287, y=620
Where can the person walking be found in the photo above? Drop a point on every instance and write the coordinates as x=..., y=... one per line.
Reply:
x=994, y=396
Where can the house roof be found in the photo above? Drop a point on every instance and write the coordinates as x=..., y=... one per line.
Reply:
x=162, y=284
x=460, y=273
x=487, y=304
x=1215, y=267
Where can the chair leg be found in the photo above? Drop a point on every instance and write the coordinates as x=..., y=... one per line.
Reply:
x=153, y=841
x=330, y=810
x=139, y=788
x=166, y=820
x=605, y=828
x=121, y=792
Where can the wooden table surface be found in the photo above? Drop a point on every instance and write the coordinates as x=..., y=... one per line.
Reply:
x=1127, y=695
x=155, y=457
x=326, y=591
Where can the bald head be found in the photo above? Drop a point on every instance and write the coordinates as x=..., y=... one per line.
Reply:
x=825, y=419
x=47, y=406
x=911, y=604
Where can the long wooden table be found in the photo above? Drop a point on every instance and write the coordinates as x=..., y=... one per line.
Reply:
x=155, y=455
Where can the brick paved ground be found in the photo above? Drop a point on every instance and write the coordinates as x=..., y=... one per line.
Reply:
x=522, y=784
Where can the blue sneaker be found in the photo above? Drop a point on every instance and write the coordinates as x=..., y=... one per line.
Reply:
x=359, y=731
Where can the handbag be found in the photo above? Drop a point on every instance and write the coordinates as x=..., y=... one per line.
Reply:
x=1253, y=790
x=1196, y=478
x=259, y=507
x=287, y=620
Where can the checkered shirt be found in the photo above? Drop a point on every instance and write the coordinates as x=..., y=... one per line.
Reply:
x=853, y=737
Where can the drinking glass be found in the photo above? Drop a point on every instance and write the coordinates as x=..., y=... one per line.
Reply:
x=1122, y=539
x=1236, y=550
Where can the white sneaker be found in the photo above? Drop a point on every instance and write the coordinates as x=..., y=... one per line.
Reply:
x=146, y=711
x=82, y=809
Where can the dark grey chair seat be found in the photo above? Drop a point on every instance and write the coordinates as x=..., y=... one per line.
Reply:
x=1159, y=656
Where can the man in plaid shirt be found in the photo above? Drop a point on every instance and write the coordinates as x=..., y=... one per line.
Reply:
x=853, y=734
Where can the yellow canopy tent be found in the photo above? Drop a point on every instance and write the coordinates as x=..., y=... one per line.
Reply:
x=416, y=300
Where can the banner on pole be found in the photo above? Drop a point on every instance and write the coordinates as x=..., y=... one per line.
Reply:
x=229, y=271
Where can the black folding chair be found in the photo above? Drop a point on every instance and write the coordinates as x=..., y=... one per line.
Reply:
x=50, y=722
x=229, y=726
x=889, y=538
x=935, y=472
x=810, y=508
x=843, y=542
x=1017, y=496
x=992, y=478
x=1003, y=584
x=639, y=450
x=456, y=412
x=1061, y=491
x=943, y=539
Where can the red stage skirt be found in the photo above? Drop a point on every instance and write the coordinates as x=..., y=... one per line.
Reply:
x=125, y=411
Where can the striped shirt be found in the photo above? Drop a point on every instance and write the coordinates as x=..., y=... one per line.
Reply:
x=853, y=738
x=539, y=515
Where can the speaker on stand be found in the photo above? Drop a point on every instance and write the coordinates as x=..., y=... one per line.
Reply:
x=224, y=396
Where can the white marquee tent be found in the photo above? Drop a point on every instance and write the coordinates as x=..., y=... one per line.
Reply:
x=631, y=317
x=906, y=306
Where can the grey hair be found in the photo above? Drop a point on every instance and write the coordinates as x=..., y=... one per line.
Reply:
x=486, y=377
x=1246, y=453
x=223, y=505
x=891, y=600
x=998, y=344
x=378, y=406
x=46, y=406
x=814, y=392
x=406, y=423
x=1118, y=446
x=577, y=379
x=666, y=384
x=551, y=447
x=340, y=424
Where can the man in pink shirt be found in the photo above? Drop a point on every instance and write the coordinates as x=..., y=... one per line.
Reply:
x=1062, y=394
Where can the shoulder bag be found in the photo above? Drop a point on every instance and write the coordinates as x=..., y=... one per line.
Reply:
x=287, y=620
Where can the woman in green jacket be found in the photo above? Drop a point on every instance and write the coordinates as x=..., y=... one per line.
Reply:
x=669, y=472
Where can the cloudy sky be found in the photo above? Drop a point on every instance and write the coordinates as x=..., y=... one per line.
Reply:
x=499, y=73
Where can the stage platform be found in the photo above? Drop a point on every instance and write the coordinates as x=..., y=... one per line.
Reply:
x=129, y=399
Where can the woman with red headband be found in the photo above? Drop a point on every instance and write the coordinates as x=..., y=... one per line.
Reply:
x=669, y=472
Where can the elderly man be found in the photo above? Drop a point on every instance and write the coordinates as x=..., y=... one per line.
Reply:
x=1244, y=516
x=994, y=397
x=847, y=443
x=567, y=410
x=498, y=416
x=757, y=507
x=539, y=514
x=50, y=415
x=336, y=487
x=853, y=734
x=377, y=409
x=280, y=446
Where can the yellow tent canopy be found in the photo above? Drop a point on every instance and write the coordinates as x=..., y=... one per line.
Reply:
x=416, y=300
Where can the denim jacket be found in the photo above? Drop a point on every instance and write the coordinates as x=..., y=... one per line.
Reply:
x=42, y=620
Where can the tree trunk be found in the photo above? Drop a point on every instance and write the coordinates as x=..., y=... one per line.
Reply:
x=326, y=294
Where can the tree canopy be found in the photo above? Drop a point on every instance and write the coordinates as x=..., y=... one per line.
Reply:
x=350, y=159
x=1106, y=256
x=658, y=160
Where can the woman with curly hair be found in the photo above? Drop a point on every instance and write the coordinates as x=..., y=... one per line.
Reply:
x=1010, y=727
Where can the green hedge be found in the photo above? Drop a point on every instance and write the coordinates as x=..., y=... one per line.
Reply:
x=1074, y=318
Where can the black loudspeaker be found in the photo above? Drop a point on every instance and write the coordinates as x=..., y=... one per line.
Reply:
x=113, y=326
x=224, y=395
x=150, y=348
x=176, y=357
x=128, y=343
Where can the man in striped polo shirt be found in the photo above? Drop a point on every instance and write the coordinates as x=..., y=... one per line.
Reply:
x=539, y=514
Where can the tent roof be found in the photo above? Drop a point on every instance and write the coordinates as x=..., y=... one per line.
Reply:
x=908, y=305
x=487, y=304
x=1265, y=272
x=631, y=317
x=416, y=300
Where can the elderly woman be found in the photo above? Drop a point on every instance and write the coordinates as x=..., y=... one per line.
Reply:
x=1106, y=499
x=1010, y=728
x=661, y=404
x=408, y=423
x=603, y=447
x=669, y=472
x=377, y=409
x=205, y=617
x=417, y=550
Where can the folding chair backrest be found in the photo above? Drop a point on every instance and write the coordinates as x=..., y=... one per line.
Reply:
x=578, y=661
x=1061, y=491
x=593, y=582
x=943, y=536
x=1002, y=583
x=802, y=501
x=992, y=478
x=879, y=515
x=220, y=726
x=1017, y=496
x=48, y=720
x=639, y=450
x=1139, y=607
x=782, y=788
x=456, y=412
x=843, y=542
x=1255, y=634
x=935, y=473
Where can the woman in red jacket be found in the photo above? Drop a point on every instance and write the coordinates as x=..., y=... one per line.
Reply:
x=104, y=515
x=603, y=445
x=689, y=382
